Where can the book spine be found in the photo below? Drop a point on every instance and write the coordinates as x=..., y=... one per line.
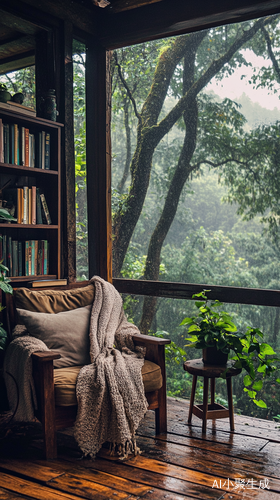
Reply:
x=10, y=256
x=29, y=206
x=16, y=143
x=15, y=257
x=26, y=257
x=1, y=142
x=33, y=205
x=38, y=207
x=46, y=258
x=36, y=258
x=47, y=151
x=12, y=144
x=19, y=205
x=22, y=146
x=39, y=150
x=43, y=148
x=26, y=151
x=32, y=257
x=20, y=258
x=25, y=204
x=45, y=209
x=39, y=260
x=6, y=143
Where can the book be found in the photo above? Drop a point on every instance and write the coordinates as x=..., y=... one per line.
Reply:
x=43, y=148
x=45, y=209
x=33, y=205
x=47, y=151
x=29, y=206
x=26, y=254
x=9, y=256
x=19, y=205
x=26, y=149
x=25, y=217
x=46, y=282
x=38, y=154
x=31, y=150
x=16, y=144
x=20, y=256
x=15, y=257
x=46, y=257
x=6, y=143
x=33, y=258
x=39, y=219
x=22, y=144
x=12, y=143
x=17, y=108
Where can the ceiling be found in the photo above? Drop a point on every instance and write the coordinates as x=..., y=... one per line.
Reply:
x=17, y=42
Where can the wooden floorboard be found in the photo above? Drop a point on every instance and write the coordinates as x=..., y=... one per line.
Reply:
x=182, y=464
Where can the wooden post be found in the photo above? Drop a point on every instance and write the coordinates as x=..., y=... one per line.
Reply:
x=64, y=82
x=98, y=149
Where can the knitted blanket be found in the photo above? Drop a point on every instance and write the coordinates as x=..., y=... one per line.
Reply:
x=18, y=375
x=110, y=391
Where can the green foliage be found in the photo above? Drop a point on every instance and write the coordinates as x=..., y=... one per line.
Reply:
x=6, y=288
x=213, y=328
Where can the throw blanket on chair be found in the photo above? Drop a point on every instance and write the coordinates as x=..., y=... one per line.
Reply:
x=110, y=391
x=18, y=375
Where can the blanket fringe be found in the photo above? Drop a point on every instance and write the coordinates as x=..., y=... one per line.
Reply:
x=123, y=450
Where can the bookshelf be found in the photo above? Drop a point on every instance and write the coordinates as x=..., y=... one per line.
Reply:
x=17, y=178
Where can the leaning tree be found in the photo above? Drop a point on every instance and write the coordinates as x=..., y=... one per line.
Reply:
x=197, y=58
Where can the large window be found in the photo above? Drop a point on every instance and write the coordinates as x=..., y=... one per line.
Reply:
x=196, y=179
x=79, y=61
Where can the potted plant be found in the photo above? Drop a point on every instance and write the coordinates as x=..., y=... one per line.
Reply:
x=214, y=332
x=4, y=94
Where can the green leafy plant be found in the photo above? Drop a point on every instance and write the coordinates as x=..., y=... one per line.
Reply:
x=211, y=327
x=6, y=216
x=6, y=288
x=3, y=86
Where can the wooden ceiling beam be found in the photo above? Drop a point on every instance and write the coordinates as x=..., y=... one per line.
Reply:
x=163, y=19
x=12, y=64
x=53, y=11
x=18, y=46
x=16, y=23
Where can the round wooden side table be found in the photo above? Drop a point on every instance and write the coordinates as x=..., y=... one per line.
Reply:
x=196, y=367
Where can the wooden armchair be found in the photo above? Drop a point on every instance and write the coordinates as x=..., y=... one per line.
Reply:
x=52, y=415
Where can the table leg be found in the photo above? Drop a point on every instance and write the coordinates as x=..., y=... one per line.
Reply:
x=212, y=391
x=192, y=399
x=230, y=403
x=205, y=403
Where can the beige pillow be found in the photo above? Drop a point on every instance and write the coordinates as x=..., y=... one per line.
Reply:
x=53, y=301
x=65, y=332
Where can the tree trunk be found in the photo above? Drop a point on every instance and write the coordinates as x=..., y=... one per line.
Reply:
x=180, y=176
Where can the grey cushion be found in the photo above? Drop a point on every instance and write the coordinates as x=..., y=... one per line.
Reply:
x=66, y=332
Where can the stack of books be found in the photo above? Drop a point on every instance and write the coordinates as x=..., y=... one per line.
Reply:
x=24, y=258
x=19, y=146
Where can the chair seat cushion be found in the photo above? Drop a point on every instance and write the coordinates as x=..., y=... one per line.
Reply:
x=65, y=382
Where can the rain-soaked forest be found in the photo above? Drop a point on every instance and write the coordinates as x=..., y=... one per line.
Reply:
x=195, y=180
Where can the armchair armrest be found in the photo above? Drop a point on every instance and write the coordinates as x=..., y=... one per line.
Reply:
x=140, y=339
x=43, y=379
x=44, y=356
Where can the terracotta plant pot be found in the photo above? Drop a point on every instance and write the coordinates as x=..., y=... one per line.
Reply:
x=212, y=356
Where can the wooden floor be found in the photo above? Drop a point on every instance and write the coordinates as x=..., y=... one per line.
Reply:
x=182, y=464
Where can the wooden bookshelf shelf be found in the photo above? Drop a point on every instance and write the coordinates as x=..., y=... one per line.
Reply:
x=28, y=140
x=19, y=169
